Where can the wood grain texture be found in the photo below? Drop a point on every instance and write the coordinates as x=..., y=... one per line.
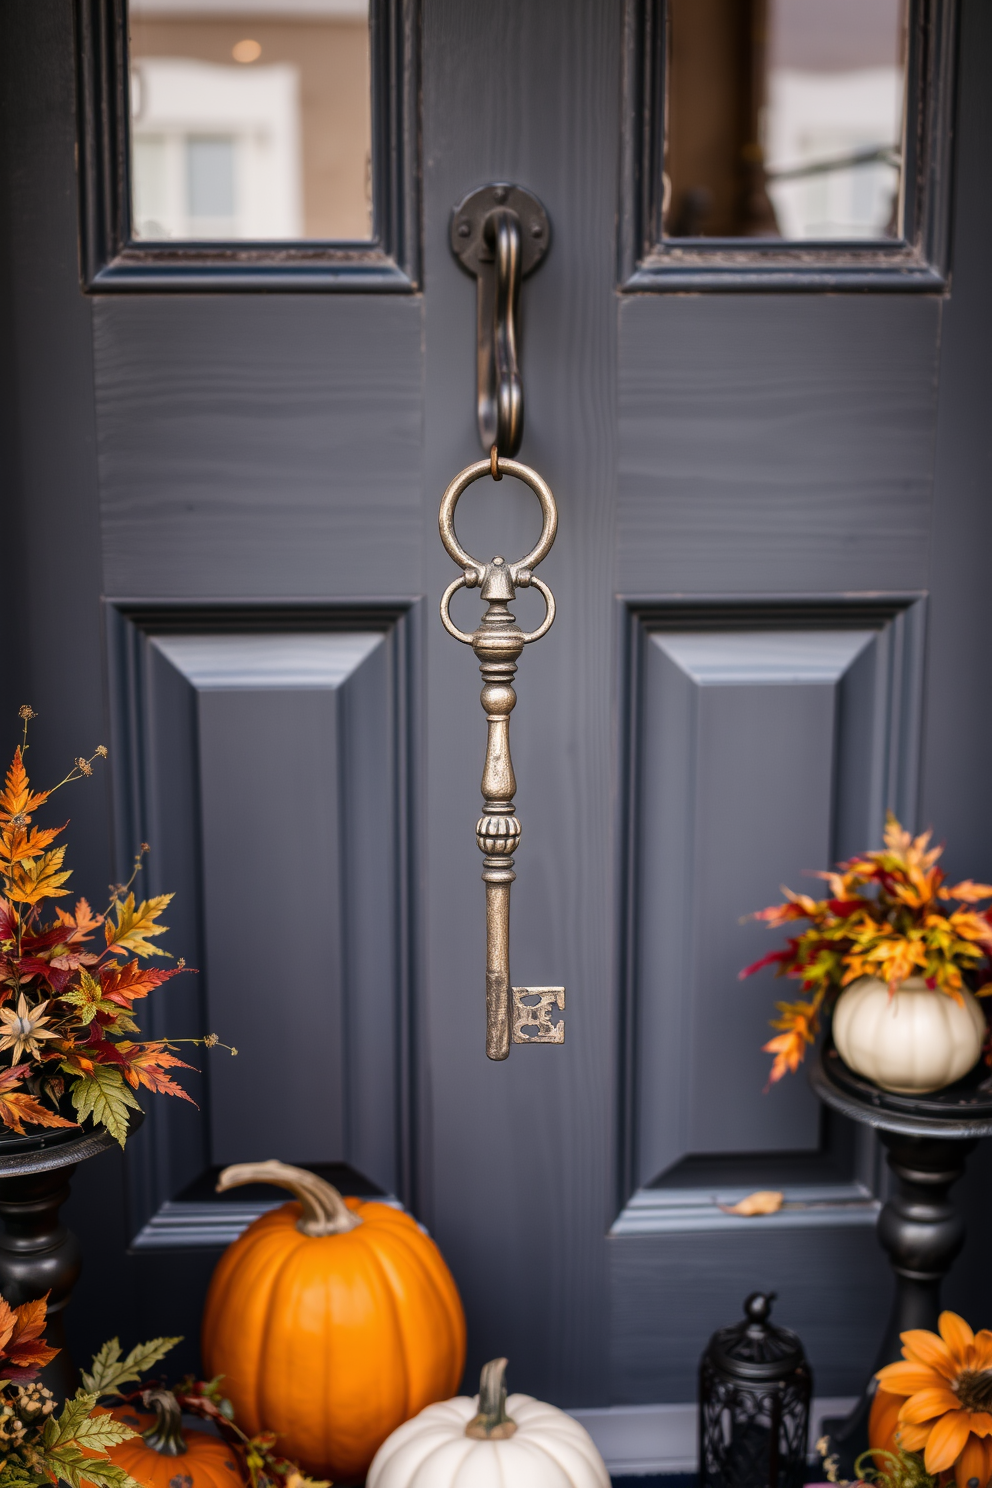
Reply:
x=668, y=1299
x=259, y=446
x=775, y=443
x=520, y=1156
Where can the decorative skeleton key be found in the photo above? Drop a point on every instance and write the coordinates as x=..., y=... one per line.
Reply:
x=498, y=643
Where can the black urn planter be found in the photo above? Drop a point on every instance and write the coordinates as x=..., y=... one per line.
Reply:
x=38, y=1254
x=929, y=1138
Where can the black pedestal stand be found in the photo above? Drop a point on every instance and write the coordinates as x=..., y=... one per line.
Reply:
x=37, y=1253
x=928, y=1138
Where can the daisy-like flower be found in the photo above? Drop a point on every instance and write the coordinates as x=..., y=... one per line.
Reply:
x=22, y=1029
x=947, y=1410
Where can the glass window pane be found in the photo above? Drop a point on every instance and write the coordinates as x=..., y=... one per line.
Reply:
x=784, y=118
x=251, y=119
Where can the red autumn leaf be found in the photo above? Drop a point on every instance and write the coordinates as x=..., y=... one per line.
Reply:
x=773, y=958
x=44, y=941
x=102, y=1051
x=31, y=966
x=124, y=984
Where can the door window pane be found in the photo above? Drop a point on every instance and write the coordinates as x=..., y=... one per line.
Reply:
x=250, y=119
x=784, y=118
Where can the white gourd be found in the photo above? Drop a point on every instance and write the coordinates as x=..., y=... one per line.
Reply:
x=915, y=1041
x=489, y=1442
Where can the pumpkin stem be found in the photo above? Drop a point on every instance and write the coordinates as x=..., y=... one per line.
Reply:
x=492, y=1423
x=165, y=1435
x=324, y=1210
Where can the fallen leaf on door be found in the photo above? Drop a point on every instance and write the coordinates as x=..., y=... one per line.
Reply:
x=764, y=1201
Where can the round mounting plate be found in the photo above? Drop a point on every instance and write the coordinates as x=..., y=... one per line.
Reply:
x=468, y=237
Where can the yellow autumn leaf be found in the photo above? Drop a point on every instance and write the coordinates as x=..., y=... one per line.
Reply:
x=135, y=923
x=27, y=883
x=763, y=1201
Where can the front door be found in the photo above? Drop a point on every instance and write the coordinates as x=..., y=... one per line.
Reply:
x=241, y=370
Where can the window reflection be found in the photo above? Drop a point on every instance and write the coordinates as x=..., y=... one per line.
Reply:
x=784, y=118
x=251, y=119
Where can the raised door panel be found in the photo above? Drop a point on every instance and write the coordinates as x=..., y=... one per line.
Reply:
x=762, y=755
x=268, y=769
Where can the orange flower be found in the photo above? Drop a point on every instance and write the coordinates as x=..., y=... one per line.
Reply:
x=947, y=1412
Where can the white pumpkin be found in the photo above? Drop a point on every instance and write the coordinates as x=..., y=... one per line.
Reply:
x=910, y=1042
x=489, y=1442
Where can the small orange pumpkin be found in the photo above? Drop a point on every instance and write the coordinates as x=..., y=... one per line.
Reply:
x=332, y=1321
x=164, y=1456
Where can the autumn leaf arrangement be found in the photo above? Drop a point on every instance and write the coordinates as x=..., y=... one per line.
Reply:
x=66, y=1000
x=38, y=1446
x=890, y=914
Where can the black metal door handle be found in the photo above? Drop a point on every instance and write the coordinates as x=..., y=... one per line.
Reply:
x=500, y=234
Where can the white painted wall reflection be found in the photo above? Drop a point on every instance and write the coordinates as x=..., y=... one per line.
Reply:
x=250, y=120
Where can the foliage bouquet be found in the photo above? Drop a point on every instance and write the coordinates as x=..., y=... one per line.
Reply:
x=67, y=1003
x=890, y=915
x=37, y=1446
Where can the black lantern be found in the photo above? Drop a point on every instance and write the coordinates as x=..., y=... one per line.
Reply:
x=754, y=1393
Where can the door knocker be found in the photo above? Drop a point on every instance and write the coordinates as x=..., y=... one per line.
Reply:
x=498, y=643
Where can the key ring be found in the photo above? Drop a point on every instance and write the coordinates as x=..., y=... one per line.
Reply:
x=519, y=575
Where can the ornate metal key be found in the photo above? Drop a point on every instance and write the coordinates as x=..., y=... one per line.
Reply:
x=498, y=643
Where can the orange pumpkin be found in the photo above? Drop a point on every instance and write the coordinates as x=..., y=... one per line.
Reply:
x=167, y=1457
x=332, y=1321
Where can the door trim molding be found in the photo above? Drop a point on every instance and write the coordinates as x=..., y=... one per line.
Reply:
x=919, y=261
x=636, y=1440
x=112, y=261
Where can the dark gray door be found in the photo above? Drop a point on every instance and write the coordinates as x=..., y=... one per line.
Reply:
x=223, y=471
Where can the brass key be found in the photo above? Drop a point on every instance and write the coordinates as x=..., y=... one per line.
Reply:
x=498, y=643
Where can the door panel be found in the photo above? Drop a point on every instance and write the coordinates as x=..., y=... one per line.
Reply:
x=758, y=754
x=266, y=755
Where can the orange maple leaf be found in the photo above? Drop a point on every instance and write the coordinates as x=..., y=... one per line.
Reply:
x=147, y=1066
x=20, y=846
x=23, y=1351
x=967, y=891
x=80, y=924
x=789, y=1049
x=16, y=798
x=17, y=1106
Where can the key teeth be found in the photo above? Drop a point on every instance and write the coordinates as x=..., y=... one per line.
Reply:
x=532, y=1024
